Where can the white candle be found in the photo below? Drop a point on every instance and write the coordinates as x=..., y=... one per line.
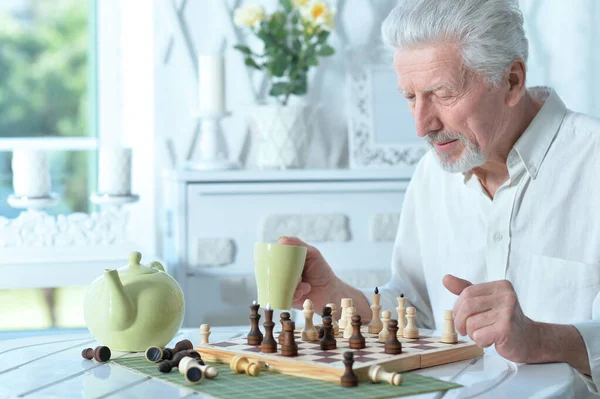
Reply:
x=114, y=175
x=31, y=173
x=211, y=84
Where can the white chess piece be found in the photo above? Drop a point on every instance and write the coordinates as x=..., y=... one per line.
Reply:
x=449, y=335
x=204, y=333
x=309, y=332
x=346, y=303
x=378, y=374
x=401, y=309
x=385, y=317
x=334, y=323
x=349, y=330
x=410, y=331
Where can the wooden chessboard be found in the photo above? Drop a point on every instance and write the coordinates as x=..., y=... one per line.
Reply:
x=312, y=362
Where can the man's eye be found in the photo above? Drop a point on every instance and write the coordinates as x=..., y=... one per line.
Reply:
x=410, y=98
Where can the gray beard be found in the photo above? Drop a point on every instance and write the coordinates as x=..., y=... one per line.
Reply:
x=471, y=157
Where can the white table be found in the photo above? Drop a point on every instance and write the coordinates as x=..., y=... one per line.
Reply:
x=52, y=367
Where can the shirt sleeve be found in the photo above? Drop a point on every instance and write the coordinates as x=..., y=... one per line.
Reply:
x=407, y=273
x=590, y=331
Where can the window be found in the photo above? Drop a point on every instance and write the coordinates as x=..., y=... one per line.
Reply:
x=48, y=100
x=48, y=94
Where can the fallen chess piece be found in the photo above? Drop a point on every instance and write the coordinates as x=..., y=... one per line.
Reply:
x=241, y=364
x=167, y=365
x=378, y=374
x=100, y=353
x=154, y=354
x=194, y=370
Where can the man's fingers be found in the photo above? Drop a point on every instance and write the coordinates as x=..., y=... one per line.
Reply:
x=486, y=336
x=454, y=284
x=467, y=307
x=479, y=321
x=301, y=290
x=311, y=252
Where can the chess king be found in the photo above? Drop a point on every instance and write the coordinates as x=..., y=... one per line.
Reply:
x=501, y=215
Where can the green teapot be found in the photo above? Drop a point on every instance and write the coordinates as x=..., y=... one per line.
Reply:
x=134, y=307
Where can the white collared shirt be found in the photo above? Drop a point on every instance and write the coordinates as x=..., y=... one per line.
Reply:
x=541, y=231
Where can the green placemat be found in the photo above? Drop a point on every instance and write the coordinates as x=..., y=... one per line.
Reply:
x=231, y=385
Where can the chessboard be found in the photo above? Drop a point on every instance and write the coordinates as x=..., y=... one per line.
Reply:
x=312, y=362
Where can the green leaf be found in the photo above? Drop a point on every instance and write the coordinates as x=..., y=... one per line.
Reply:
x=279, y=89
x=243, y=49
x=325, y=51
x=287, y=5
x=312, y=61
x=322, y=36
x=251, y=63
x=278, y=66
x=297, y=45
x=299, y=87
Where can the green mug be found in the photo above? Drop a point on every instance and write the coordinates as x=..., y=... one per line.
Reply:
x=278, y=270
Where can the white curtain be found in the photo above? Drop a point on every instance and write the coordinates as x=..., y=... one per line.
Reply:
x=564, y=50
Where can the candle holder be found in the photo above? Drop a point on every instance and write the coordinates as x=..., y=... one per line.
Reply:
x=33, y=203
x=211, y=152
x=113, y=200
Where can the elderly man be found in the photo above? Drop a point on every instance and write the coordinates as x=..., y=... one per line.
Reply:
x=504, y=210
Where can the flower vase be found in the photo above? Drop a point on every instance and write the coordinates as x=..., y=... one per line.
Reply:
x=283, y=135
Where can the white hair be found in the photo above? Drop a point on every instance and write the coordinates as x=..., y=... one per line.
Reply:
x=489, y=33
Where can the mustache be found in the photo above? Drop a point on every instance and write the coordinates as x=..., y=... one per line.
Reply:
x=442, y=137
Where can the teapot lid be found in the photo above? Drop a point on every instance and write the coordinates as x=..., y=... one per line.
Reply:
x=135, y=268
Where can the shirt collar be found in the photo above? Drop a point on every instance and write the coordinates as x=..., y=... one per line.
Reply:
x=533, y=144
x=535, y=141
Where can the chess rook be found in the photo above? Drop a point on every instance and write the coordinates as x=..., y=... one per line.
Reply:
x=255, y=337
x=349, y=379
x=336, y=327
x=385, y=317
x=378, y=374
x=285, y=316
x=268, y=345
x=356, y=341
x=328, y=341
x=410, y=331
x=241, y=364
x=449, y=335
x=392, y=346
x=289, y=347
x=375, y=326
x=401, y=310
x=204, y=333
x=309, y=332
x=346, y=303
x=349, y=329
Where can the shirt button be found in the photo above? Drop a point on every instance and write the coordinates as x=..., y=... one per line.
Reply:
x=498, y=237
x=533, y=169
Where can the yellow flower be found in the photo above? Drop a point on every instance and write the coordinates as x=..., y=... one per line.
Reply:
x=249, y=16
x=317, y=13
x=300, y=3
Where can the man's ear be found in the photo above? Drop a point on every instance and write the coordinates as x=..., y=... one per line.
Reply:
x=516, y=82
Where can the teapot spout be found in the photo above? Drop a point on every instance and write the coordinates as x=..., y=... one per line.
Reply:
x=120, y=309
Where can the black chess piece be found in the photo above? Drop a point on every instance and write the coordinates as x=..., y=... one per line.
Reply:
x=328, y=341
x=285, y=316
x=268, y=345
x=289, y=347
x=255, y=337
x=167, y=365
x=349, y=379
x=392, y=346
x=356, y=341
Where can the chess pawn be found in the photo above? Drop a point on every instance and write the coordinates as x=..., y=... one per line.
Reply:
x=401, y=310
x=309, y=332
x=328, y=342
x=356, y=341
x=410, y=331
x=349, y=379
x=346, y=303
x=289, y=347
x=334, y=323
x=385, y=317
x=349, y=329
x=392, y=346
x=100, y=353
x=241, y=364
x=204, y=333
x=378, y=374
x=285, y=316
x=449, y=335
x=191, y=370
x=375, y=326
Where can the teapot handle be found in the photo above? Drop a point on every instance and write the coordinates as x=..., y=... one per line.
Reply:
x=158, y=266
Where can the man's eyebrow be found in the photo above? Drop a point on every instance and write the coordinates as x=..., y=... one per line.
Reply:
x=438, y=86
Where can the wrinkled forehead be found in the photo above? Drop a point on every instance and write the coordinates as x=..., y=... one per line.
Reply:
x=418, y=68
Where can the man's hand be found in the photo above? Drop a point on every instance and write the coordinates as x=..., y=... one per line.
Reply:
x=319, y=282
x=490, y=313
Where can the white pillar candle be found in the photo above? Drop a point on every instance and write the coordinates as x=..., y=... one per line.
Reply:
x=31, y=173
x=114, y=175
x=211, y=82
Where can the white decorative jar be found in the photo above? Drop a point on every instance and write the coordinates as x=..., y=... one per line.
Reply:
x=114, y=175
x=31, y=174
x=283, y=135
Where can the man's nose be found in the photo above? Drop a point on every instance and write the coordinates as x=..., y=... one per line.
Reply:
x=426, y=118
